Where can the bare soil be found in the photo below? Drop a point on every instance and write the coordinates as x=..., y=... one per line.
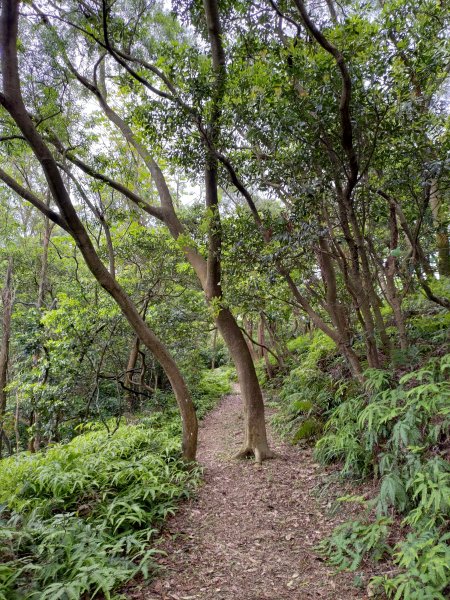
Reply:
x=251, y=532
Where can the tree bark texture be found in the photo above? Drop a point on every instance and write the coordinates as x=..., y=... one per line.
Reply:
x=7, y=304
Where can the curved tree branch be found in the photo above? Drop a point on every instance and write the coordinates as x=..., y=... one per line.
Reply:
x=346, y=96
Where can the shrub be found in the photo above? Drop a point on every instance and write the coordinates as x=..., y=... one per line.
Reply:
x=396, y=431
x=307, y=393
x=211, y=386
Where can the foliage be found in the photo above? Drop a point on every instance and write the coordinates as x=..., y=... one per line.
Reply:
x=211, y=386
x=353, y=541
x=398, y=431
x=81, y=517
x=307, y=393
x=312, y=348
x=423, y=560
x=332, y=182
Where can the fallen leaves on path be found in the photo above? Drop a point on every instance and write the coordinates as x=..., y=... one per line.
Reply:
x=250, y=533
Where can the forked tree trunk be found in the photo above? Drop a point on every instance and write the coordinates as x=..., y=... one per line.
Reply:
x=332, y=333
x=278, y=344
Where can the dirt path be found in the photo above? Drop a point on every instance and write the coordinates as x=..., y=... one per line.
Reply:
x=250, y=533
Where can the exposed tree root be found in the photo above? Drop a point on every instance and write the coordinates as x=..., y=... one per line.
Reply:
x=257, y=453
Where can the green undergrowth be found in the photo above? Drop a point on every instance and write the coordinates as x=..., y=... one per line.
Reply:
x=210, y=387
x=397, y=432
x=308, y=392
x=394, y=429
x=80, y=519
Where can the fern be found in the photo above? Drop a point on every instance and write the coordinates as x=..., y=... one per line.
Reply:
x=354, y=541
x=396, y=433
x=425, y=562
x=79, y=520
x=309, y=428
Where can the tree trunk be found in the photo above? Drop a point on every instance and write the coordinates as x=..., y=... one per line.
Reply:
x=255, y=443
x=35, y=442
x=208, y=271
x=248, y=326
x=150, y=340
x=43, y=280
x=214, y=349
x=7, y=303
x=344, y=347
x=69, y=220
x=361, y=282
x=333, y=306
x=278, y=344
x=262, y=341
x=260, y=349
x=131, y=365
x=392, y=294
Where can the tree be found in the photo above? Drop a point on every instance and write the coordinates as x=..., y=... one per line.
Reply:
x=7, y=304
x=67, y=219
x=207, y=270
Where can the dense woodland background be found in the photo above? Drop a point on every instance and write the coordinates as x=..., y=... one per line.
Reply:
x=209, y=191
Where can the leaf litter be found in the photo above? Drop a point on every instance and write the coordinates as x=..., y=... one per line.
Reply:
x=250, y=533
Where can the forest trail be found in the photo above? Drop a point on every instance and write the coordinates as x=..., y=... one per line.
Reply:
x=250, y=533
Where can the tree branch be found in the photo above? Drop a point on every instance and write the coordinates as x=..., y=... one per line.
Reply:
x=34, y=200
x=346, y=95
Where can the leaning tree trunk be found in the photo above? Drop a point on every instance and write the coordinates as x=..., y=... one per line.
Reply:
x=7, y=302
x=255, y=443
x=208, y=271
x=68, y=219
